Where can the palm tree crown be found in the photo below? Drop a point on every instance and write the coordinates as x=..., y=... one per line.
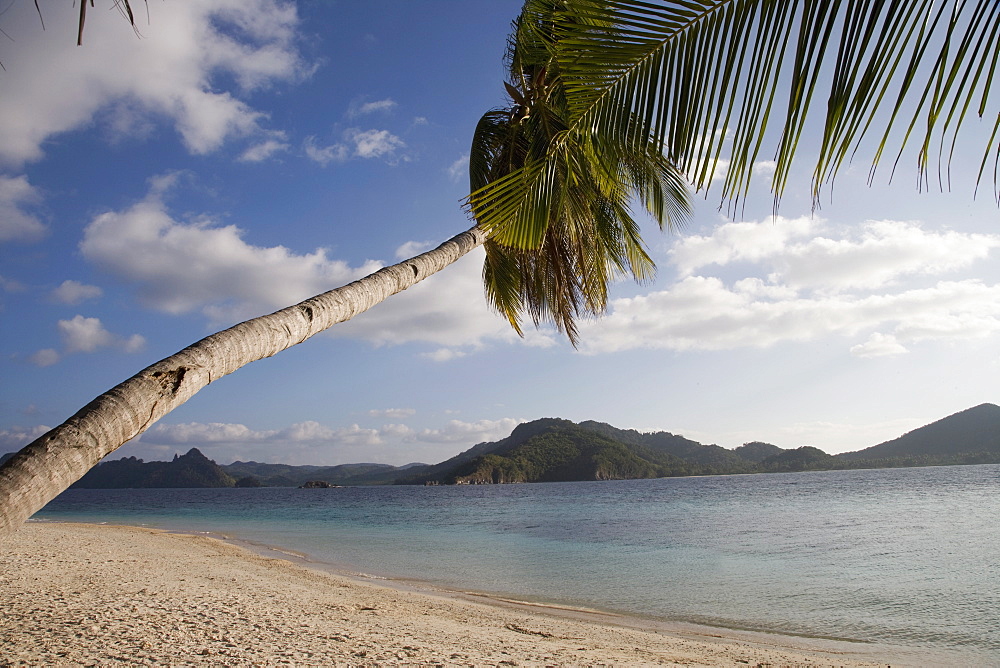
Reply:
x=612, y=98
x=563, y=228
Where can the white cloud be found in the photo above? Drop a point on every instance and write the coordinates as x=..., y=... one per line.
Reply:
x=169, y=73
x=400, y=431
x=84, y=335
x=879, y=345
x=87, y=335
x=324, y=155
x=794, y=253
x=412, y=249
x=456, y=431
x=744, y=241
x=44, y=357
x=885, y=252
x=721, y=170
x=356, y=143
x=197, y=433
x=443, y=354
x=132, y=344
x=302, y=443
x=791, y=280
x=764, y=168
x=16, y=194
x=374, y=143
x=80, y=334
x=459, y=169
x=10, y=285
x=264, y=150
x=362, y=108
x=315, y=443
x=74, y=292
x=702, y=313
x=395, y=413
x=178, y=266
x=15, y=438
x=356, y=435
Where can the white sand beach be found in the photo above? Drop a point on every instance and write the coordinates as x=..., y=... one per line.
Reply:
x=78, y=594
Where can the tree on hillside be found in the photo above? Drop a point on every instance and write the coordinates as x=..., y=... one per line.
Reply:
x=610, y=104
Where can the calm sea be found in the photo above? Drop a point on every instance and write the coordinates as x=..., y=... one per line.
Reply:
x=906, y=557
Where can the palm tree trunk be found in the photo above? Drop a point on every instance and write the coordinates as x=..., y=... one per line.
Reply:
x=53, y=462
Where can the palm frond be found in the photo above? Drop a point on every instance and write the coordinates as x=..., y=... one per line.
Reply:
x=705, y=79
x=557, y=205
x=124, y=8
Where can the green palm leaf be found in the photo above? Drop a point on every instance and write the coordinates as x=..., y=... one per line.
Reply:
x=558, y=207
x=719, y=65
x=706, y=78
x=600, y=86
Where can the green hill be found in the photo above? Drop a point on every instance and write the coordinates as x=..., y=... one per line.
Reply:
x=757, y=451
x=560, y=453
x=698, y=459
x=972, y=434
x=806, y=458
x=552, y=450
x=271, y=475
x=444, y=470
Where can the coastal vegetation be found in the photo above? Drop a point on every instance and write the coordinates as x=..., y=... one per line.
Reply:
x=610, y=105
x=556, y=450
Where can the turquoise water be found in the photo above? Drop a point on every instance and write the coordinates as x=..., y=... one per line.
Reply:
x=905, y=557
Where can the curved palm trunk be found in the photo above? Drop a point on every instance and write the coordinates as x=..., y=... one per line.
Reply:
x=53, y=462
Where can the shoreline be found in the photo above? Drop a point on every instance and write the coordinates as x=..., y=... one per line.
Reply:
x=556, y=609
x=866, y=652
x=88, y=593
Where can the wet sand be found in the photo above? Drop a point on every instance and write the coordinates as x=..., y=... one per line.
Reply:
x=79, y=594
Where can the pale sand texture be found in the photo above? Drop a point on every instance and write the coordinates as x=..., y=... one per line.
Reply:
x=75, y=594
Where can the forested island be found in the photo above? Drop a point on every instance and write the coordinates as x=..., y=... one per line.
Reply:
x=557, y=450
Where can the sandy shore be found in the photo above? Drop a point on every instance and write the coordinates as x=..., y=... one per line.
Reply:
x=73, y=594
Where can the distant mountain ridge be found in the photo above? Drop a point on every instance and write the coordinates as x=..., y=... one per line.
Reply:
x=554, y=449
x=561, y=451
x=192, y=470
x=973, y=430
x=284, y=475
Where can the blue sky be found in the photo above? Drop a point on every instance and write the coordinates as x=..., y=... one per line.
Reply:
x=245, y=154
